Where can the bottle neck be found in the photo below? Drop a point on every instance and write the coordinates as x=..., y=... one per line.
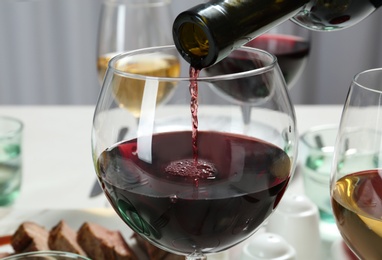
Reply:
x=208, y=32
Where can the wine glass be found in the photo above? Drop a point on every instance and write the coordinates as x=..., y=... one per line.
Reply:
x=133, y=24
x=289, y=42
x=356, y=181
x=188, y=178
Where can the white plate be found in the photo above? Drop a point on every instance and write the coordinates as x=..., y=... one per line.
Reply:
x=11, y=219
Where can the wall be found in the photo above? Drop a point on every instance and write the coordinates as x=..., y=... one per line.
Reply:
x=48, y=54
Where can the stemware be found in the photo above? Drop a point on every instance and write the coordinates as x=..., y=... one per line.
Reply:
x=356, y=170
x=133, y=24
x=289, y=42
x=187, y=177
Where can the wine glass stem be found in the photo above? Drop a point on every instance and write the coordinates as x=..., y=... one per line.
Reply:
x=196, y=256
x=246, y=113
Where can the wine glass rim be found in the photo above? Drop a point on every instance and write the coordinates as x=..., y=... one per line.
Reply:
x=252, y=72
x=356, y=79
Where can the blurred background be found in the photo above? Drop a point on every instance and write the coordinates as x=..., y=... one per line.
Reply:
x=48, y=54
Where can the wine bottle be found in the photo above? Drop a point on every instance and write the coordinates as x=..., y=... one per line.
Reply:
x=208, y=32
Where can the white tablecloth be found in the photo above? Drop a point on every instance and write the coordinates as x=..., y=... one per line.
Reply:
x=58, y=170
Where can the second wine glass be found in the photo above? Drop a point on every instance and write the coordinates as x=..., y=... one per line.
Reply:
x=289, y=42
x=356, y=184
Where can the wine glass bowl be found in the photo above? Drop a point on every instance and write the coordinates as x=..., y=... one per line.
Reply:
x=126, y=25
x=188, y=176
x=356, y=169
x=128, y=92
x=246, y=90
x=290, y=43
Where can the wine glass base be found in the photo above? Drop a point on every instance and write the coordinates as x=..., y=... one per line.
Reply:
x=196, y=256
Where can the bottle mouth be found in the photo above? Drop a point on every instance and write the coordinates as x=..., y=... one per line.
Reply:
x=193, y=42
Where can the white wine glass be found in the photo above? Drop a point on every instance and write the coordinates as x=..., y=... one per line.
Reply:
x=131, y=24
x=126, y=25
x=356, y=182
x=188, y=178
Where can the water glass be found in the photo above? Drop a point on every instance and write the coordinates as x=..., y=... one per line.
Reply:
x=316, y=146
x=10, y=159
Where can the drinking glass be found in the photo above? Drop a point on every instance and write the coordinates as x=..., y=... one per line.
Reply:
x=134, y=24
x=289, y=42
x=131, y=24
x=188, y=178
x=356, y=170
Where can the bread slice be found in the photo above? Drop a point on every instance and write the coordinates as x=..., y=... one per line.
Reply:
x=153, y=252
x=63, y=238
x=2, y=255
x=103, y=244
x=30, y=237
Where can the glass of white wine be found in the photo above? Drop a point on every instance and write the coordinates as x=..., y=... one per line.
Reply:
x=356, y=184
x=127, y=25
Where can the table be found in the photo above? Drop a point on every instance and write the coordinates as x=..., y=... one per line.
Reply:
x=58, y=170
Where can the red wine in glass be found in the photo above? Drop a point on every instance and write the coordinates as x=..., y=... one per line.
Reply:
x=211, y=201
x=198, y=191
x=291, y=52
x=172, y=212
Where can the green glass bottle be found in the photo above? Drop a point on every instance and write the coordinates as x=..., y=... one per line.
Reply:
x=208, y=32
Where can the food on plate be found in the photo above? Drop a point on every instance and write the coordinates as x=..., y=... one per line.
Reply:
x=101, y=243
x=63, y=238
x=91, y=240
x=30, y=237
x=154, y=252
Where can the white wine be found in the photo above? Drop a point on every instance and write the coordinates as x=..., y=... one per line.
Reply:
x=102, y=63
x=357, y=205
x=128, y=92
